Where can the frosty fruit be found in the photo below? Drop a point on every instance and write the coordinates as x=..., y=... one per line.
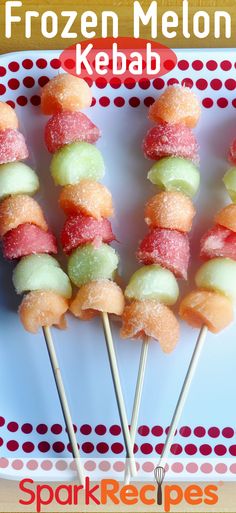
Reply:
x=98, y=296
x=227, y=217
x=203, y=308
x=65, y=92
x=41, y=272
x=229, y=180
x=173, y=210
x=12, y=146
x=166, y=140
x=232, y=153
x=43, y=308
x=17, y=178
x=75, y=162
x=175, y=174
x=176, y=105
x=87, y=197
x=88, y=263
x=27, y=239
x=153, y=282
x=82, y=229
x=8, y=117
x=152, y=319
x=68, y=127
x=218, y=275
x=169, y=248
x=218, y=242
x=20, y=209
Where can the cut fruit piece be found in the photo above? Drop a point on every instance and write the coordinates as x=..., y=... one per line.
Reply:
x=17, y=178
x=88, y=263
x=229, y=180
x=168, y=248
x=20, y=209
x=202, y=308
x=43, y=308
x=152, y=319
x=96, y=297
x=172, y=210
x=178, y=104
x=227, y=217
x=68, y=127
x=65, y=92
x=28, y=239
x=232, y=152
x=87, y=197
x=12, y=146
x=218, y=242
x=175, y=174
x=8, y=117
x=80, y=230
x=218, y=275
x=153, y=282
x=75, y=162
x=166, y=140
x=41, y=272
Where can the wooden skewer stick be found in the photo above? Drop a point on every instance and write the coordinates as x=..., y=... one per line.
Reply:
x=63, y=401
x=118, y=391
x=137, y=398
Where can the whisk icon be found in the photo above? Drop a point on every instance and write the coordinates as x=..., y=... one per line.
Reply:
x=159, y=474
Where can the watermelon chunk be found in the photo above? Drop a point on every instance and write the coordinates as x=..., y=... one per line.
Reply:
x=167, y=140
x=218, y=242
x=12, y=146
x=68, y=127
x=232, y=153
x=27, y=239
x=80, y=230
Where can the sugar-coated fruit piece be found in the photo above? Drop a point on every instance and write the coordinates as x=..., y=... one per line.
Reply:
x=229, y=180
x=166, y=140
x=28, y=239
x=17, y=178
x=98, y=296
x=218, y=275
x=203, y=308
x=173, y=210
x=65, y=92
x=178, y=104
x=12, y=146
x=227, y=217
x=8, y=117
x=153, y=282
x=20, y=209
x=175, y=174
x=232, y=153
x=43, y=308
x=75, y=162
x=88, y=263
x=168, y=248
x=68, y=127
x=87, y=197
x=152, y=319
x=82, y=229
x=218, y=242
x=41, y=272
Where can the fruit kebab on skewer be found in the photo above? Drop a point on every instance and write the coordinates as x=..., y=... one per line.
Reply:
x=169, y=214
x=210, y=305
x=78, y=166
x=25, y=237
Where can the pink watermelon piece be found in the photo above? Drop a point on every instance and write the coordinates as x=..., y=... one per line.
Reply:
x=67, y=127
x=167, y=140
x=218, y=242
x=27, y=239
x=232, y=153
x=168, y=248
x=12, y=146
x=82, y=229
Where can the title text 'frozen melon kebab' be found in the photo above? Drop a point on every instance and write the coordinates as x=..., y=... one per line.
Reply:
x=25, y=236
x=78, y=165
x=169, y=214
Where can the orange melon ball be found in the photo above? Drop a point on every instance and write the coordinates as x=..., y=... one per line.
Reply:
x=203, y=308
x=8, y=117
x=65, y=92
x=173, y=210
x=20, y=209
x=152, y=319
x=86, y=197
x=43, y=308
x=178, y=104
x=98, y=296
x=227, y=217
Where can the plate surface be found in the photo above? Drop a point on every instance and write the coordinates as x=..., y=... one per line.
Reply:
x=32, y=431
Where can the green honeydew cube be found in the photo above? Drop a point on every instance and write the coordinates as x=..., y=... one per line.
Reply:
x=75, y=162
x=229, y=180
x=153, y=282
x=88, y=263
x=219, y=275
x=175, y=174
x=17, y=178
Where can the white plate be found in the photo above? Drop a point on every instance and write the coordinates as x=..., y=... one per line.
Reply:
x=28, y=394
